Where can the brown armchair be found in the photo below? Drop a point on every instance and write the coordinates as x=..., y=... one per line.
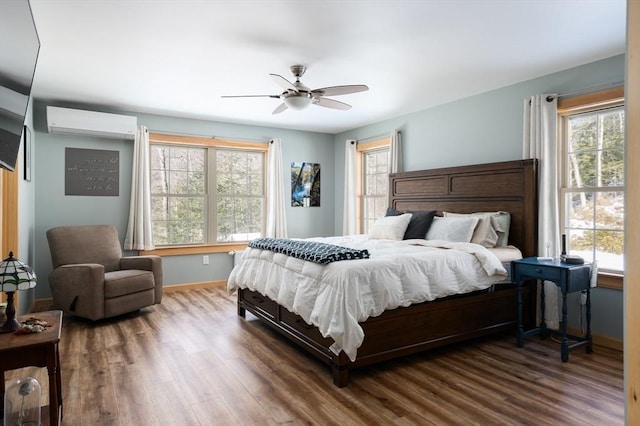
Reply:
x=91, y=279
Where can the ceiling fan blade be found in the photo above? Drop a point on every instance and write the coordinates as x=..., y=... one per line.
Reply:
x=330, y=103
x=283, y=82
x=279, y=109
x=250, y=96
x=340, y=90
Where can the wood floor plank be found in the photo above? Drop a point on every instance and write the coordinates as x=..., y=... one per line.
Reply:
x=192, y=361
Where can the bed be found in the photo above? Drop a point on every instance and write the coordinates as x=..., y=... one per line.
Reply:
x=504, y=186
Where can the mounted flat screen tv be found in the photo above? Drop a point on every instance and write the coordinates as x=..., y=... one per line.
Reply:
x=19, y=48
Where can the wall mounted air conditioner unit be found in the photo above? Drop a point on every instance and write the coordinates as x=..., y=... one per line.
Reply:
x=91, y=123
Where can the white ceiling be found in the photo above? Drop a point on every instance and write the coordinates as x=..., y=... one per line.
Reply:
x=177, y=57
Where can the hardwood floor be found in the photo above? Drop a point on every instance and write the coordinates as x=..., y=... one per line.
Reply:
x=193, y=361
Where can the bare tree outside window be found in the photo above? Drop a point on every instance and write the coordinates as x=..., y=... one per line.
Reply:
x=178, y=200
x=239, y=194
x=594, y=192
x=375, y=186
x=206, y=194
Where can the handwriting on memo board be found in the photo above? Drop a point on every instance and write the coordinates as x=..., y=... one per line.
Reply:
x=92, y=172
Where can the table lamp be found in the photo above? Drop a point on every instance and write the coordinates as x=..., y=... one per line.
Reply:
x=14, y=275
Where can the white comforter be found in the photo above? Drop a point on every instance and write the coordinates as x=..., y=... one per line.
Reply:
x=335, y=297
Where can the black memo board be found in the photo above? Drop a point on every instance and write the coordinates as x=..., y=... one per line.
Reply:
x=92, y=172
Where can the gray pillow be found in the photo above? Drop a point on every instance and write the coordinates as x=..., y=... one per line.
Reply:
x=504, y=221
x=419, y=224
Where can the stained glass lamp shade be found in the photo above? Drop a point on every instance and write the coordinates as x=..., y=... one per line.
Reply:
x=14, y=276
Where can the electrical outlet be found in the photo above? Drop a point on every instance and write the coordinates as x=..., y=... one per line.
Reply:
x=205, y=260
x=583, y=297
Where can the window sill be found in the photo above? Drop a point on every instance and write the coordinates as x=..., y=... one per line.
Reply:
x=200, y=249
x=612, y=281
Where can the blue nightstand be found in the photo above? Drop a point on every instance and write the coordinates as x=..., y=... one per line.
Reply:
x=569, y=278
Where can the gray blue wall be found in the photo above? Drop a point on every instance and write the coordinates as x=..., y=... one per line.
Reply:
x=482, y=128
x=487, y=128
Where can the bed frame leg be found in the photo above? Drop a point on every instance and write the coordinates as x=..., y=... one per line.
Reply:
x=241, y=310
x=340, y=376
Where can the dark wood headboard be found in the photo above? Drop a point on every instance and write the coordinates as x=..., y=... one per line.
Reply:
x=510, y=186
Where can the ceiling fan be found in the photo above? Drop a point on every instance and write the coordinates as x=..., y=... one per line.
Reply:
x=297, y=96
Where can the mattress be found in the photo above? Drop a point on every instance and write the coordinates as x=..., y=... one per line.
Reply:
x=506, y=255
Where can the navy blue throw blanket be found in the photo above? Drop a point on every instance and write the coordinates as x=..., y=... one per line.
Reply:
x=309, y=250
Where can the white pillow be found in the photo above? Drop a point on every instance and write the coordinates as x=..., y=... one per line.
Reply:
x=486, y=229
x=390, y=227
x=454, y=229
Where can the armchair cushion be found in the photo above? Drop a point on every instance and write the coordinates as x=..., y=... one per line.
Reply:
x=119, y=283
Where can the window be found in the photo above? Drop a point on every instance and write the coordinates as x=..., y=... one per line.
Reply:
x=374, y=181
x=239, y=194
x=206, y=191
x=179, y=199
x=592, y=195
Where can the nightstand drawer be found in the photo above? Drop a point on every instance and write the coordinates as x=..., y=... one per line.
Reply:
x=579, y=279
x=540, y=272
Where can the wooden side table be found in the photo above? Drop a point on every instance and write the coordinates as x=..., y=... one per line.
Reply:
x=569, y=278
x=38, y=350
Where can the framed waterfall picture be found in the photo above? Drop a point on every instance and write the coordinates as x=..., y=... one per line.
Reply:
x=305, y=184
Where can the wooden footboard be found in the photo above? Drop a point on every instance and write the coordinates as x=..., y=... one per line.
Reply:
x=402, y=331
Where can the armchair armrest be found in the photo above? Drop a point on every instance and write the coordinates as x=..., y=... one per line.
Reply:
x=146, y=263
x=79, y=289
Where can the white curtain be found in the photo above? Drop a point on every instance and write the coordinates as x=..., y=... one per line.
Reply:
x=540, y=141
x=139, y=229
x=349, y=219
x=395, y=153
x=276, y=213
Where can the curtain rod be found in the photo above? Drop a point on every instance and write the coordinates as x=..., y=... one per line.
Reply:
x=372, y=138
x=586, y=90
x=210, y=137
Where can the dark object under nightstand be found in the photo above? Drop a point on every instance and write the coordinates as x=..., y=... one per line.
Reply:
x=569, y=278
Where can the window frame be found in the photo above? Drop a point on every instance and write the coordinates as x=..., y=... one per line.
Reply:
x=604, y=99
x=206, y=142
x=362, y=148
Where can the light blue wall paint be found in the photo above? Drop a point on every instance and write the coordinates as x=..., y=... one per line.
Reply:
x=487, y=128
x=606, y=312
x=53, y=208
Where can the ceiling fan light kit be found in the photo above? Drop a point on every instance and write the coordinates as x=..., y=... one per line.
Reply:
x=297, y=96
x=297, y=101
